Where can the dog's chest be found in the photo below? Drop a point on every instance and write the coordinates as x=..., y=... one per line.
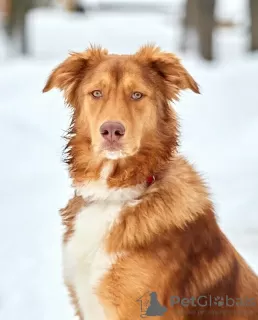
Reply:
x=84, y=257
x=86, y=246
x=85, y=260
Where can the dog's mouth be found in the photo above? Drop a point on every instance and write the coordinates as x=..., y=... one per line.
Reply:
x=116, y=150
x=114, y=155
x=113, y=150
x=111, y=145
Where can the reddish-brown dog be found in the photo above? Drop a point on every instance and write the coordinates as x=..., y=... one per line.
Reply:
x=141, y=237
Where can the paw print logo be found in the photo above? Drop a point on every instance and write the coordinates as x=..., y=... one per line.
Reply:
x=218, y=301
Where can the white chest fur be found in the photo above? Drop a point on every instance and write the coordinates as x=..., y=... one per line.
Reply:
x=85, y=261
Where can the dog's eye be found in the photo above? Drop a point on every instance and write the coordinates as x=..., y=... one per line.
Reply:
x=136, y=95
x=97, y=94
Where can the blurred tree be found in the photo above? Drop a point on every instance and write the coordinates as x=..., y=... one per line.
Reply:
x=189, y=22
x=4, y=7
x=73, y=5
x=205, y=26
x=254, y=24
x=15, y=23
x=69, y=4
x=200, y=15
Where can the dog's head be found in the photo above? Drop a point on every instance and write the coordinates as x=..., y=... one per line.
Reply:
x=120, y=102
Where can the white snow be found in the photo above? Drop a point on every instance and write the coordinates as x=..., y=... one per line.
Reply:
x=219, y=135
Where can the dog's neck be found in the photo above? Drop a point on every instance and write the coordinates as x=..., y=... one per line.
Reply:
x=122, y=173
x=100, y=190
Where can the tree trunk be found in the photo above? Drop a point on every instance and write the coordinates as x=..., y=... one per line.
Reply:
x=73, y=5
x=199, y=16
x=205, y=26
x=189, y=23
x=254, y=24
x=15, y=24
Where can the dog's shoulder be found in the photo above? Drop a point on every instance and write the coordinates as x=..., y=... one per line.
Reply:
x=180, y=168
x=73, y=206
x=69, y=212
x=181, y=181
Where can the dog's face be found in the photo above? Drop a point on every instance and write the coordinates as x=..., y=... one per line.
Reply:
x=118, y=107
x=118, y=99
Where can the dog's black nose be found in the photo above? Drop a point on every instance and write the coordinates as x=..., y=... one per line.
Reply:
x=112, y=131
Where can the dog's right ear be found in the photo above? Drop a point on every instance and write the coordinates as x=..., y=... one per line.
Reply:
x=68, y=75
x=167, y=66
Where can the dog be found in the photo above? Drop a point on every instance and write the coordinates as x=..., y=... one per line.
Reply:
x=141, y=222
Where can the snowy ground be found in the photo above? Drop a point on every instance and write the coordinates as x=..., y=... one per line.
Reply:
x=219, y=135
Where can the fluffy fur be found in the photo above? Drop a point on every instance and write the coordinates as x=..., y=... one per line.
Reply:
x=124, y=238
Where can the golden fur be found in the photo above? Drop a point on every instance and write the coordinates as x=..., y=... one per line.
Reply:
x=170, y=240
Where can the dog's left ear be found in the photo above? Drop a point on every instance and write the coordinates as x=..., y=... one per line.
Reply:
x=167, y=66
x=68, y=75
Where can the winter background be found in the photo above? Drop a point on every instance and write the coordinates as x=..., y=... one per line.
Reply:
x=219, y=136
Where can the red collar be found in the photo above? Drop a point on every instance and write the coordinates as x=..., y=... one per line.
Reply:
x=150, y=180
